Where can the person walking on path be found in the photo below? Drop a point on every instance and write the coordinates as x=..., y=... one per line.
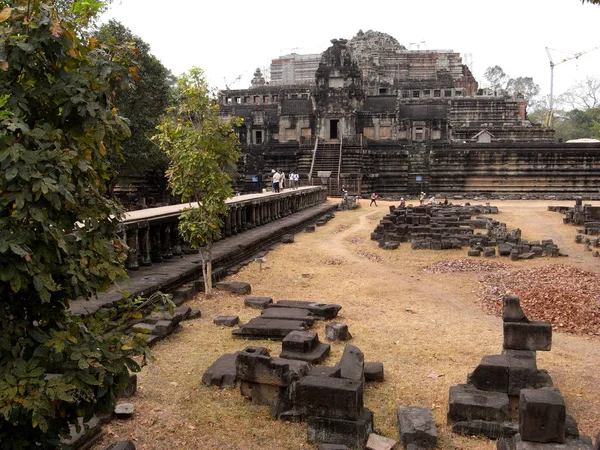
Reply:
x=282, y=180
x=374, y=198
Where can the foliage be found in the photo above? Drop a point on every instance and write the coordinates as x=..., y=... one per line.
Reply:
x=516, y=87
x=576, y=124
x=58, y=231
x=142, y=102
x=202, y=148
x=496, y=78
x=595, y=2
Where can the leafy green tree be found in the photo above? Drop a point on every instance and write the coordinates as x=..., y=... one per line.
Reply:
x=202, y=148
x=577, y=124
x=142, y=103
x=58, y=229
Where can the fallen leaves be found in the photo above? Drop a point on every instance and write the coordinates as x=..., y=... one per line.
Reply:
x=567, y=297
x=465, y=265
x=369, y=256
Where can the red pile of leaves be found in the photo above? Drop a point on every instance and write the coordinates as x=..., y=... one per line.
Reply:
x=465, y=265
x=567, y=297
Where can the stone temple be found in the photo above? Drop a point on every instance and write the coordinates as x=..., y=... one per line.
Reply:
x=373, y=116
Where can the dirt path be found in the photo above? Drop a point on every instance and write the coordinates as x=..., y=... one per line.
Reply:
x=418, y=324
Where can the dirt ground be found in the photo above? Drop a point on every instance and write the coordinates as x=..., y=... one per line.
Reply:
x=428, y=330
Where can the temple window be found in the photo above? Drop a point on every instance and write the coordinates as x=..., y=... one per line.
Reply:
x=405, y=94
x=383, y=91
x=447, y=93
x=437, y=93
x=228, y=101
x=426, y=93
x=266, y=99
x=238, y=100
x=416, y=94
x=257, y=99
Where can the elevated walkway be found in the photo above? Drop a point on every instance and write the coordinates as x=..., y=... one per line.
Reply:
x=175, y=270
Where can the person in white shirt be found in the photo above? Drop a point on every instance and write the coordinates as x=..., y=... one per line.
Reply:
x=276, y=180
x=282, y=180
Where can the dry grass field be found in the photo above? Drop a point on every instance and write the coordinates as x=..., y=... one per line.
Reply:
x=429, y=330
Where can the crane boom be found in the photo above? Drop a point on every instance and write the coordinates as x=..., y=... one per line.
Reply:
x=552, y=65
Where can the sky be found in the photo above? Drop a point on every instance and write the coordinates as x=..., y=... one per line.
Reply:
x=231, y=38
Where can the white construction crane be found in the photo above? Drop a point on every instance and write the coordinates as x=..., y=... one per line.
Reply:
x=552, y=64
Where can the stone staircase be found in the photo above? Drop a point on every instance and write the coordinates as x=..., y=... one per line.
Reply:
x=418, y=166
x=327, y=159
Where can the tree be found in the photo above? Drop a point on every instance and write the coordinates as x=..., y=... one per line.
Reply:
x=142, y=103
x=523, y=86
x=584, y=94
x=496, y=78
x=58, y=230
x=202, y=148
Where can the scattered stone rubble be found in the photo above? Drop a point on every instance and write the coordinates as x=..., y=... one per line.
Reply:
x=444, y=227
x=507, y=397
x=329, y=398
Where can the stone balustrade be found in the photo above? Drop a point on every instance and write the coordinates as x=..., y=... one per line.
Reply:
x=152, y=234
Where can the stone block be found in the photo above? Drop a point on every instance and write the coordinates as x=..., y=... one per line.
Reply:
x=194, y=314
x=491, y=430
x=222, y=372
x=542, y=415
x=571, y=428
x=511, y=309
x=491, y=374
x=289, y=314
x=474, y=253
x=287, y=239
x=304, y=346
x=261, y=328
x=181, y=313
x=227, y=321
x=123, y=410
x=183, y=294
x=517, y=443
x=489, y=252
x=528, y=336
x=164, y=327
x=337, y=331
x=353, y=433
x=504, y=249
x=235, y=287
x=467, y=403
x=326, y=311
x=309, y=229
x=144, y=328
x=352, y=363
x=121, y=445
x=376, y=442
x=258, y=302
x=325, y=371
x=336, y=398
x=522, y=372
x=417, y=427
x=373, y=371
x=259, y=368
x=261, y=394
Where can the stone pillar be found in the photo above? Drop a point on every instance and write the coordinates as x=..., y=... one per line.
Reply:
x=227, y=224
x=144, y=241
x=241, y=219
x=155, y=247
x=165, y=241
x=234, y=224
x=132, y=254
x=176, y=239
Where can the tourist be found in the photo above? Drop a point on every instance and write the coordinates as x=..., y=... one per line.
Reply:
x=432, y=200
x=374, y=198
x=422, y=197
x=282, y=180
x=402, y=202
x=296, y=180
x=446, y=201
x=276, y=178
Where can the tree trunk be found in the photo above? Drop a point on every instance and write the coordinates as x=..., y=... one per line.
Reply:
x=206, y=255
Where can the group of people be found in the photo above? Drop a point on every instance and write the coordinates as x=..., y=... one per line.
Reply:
x=279, y=180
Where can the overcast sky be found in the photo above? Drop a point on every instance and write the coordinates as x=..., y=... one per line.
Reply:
x=231, y=38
